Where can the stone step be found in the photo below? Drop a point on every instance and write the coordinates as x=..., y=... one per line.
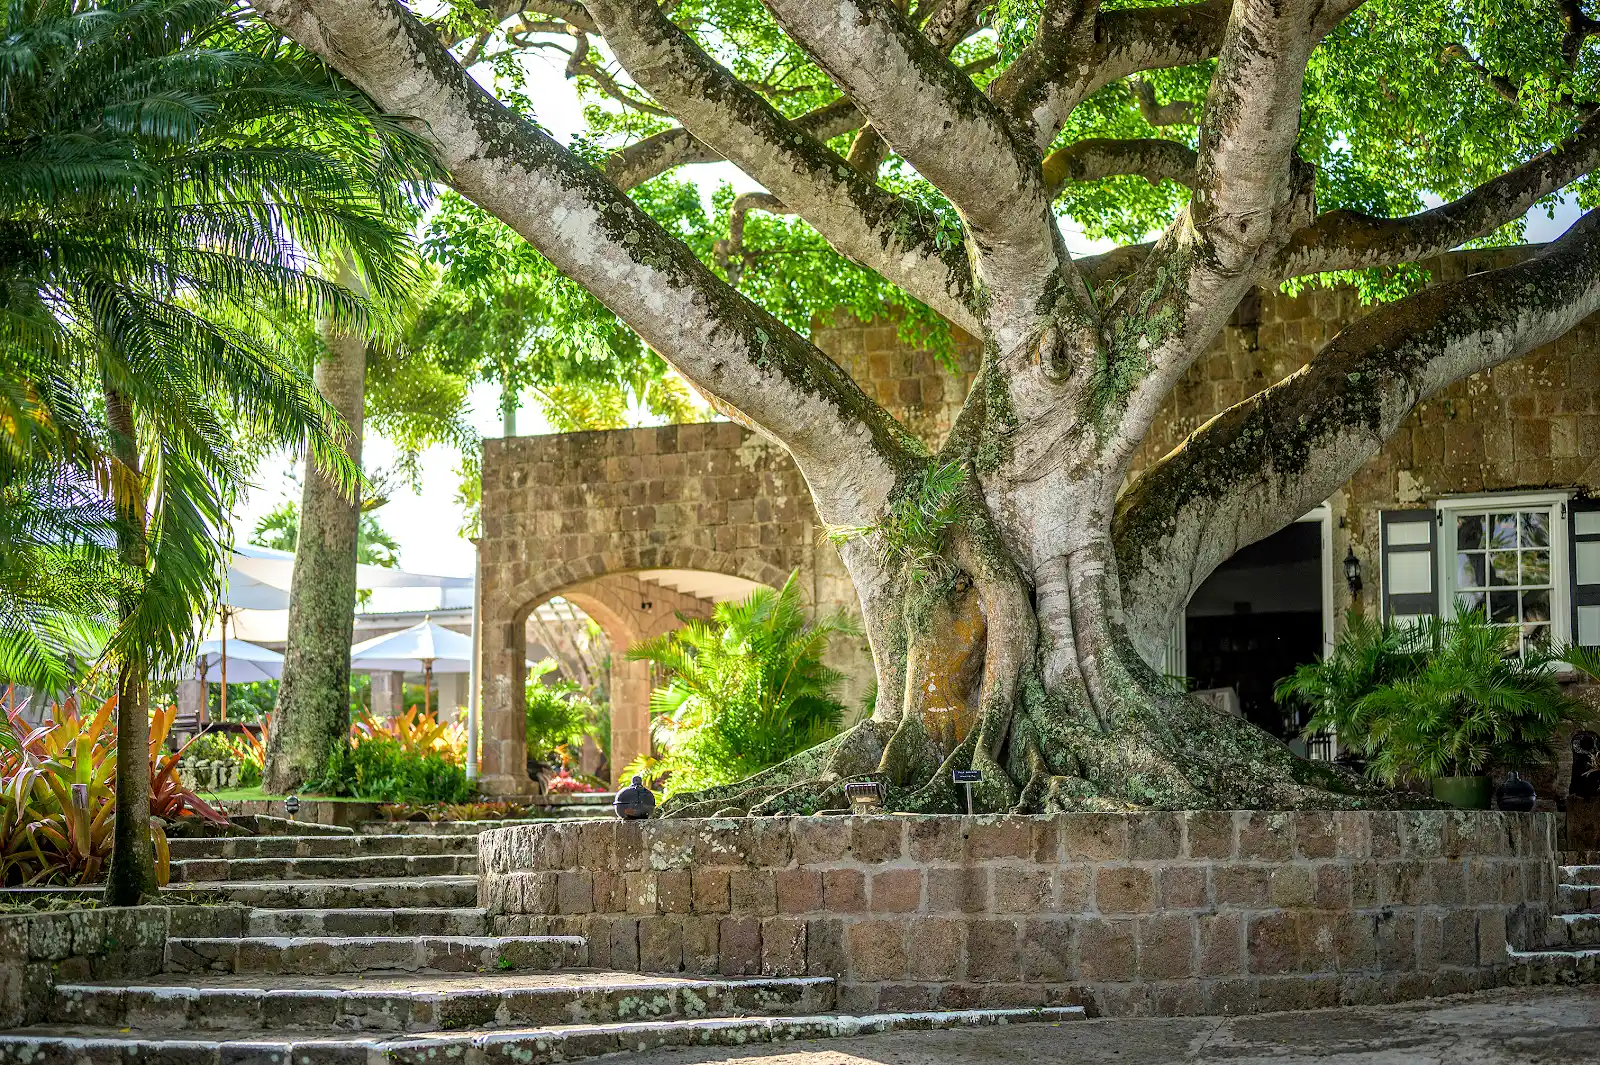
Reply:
x=1536, y=967
x=391, y=1002
x=1578, y=857
x=46, y=1045
x=423, y=892
x=462, y=921
x=1575, y=899
x=1576, y=930
x=1585, y=875
x=377, y=866
x=323, y=955
x=440, y=828
x=345, y=846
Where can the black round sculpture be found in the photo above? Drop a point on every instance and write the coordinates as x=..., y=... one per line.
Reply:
x=1515, y=794
x=634, y=802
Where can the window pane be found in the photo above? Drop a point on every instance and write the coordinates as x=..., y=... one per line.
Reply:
x=1535, y=568
x=1471, y=601
x=1536, y=605
x=1503, y=606
x=1469, y=532
x=1470, y=570
x=1535, y=636
x=1503, y=530
x=1503, y=568
x=1410, y=572
x=1535, y=528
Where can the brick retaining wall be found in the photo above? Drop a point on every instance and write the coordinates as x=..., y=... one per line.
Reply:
x=1162, y=913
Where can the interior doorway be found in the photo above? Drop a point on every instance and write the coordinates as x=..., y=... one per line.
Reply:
x=1263, y=612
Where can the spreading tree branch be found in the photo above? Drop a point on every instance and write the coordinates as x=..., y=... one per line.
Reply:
x=656, y=154
x=1350, y=240
x=1065, y=65
x=860, y=220
x=1096, y=158
x=848, y=447
x=1256, y=466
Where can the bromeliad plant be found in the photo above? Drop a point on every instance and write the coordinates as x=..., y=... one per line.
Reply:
x=415, y=732
x=58, y=801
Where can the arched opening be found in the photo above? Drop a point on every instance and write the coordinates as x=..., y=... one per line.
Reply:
x=587, y=629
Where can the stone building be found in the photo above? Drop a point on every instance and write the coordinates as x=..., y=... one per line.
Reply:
x=1482, y=497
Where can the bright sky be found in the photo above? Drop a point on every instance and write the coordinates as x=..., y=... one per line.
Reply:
x=425, y=522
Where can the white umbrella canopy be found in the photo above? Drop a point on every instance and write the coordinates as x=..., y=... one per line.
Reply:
x=246, y=662
x=423, y=647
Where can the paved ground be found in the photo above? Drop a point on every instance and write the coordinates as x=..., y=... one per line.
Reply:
x=1538, y=1027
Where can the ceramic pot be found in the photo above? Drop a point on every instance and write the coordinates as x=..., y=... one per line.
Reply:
x=1464, y=793
x=635, y=802
x=1515, y=794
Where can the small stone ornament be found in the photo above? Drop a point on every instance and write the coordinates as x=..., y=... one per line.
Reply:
x=1515, y=794
x=635, y=802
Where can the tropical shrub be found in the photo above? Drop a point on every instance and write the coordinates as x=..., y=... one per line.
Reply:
x=383, y=769
x=1439, y=698
x=58, y=795
x=745, y=689
x=559, y=717
x=564, y=783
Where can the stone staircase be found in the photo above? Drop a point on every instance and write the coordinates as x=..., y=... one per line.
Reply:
x=369, y=948
x=1571, y=951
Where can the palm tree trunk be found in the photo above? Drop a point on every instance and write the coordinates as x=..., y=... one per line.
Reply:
x=312, y=716
x=133, y=865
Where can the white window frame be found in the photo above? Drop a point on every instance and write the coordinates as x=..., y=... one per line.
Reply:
x=1560, y=547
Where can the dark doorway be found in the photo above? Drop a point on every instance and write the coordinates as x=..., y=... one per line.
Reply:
x=1255, y=619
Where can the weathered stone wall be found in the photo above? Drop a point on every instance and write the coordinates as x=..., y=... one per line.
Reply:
x=39, y=950
x=1164, y=913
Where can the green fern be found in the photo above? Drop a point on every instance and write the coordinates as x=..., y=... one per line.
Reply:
x=744, y=690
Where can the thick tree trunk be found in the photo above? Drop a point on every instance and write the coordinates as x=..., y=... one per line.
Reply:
x=132, y=875
x=1007, y=644
x=312, y=716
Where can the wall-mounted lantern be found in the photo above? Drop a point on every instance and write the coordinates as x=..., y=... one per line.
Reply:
x=1352, y=570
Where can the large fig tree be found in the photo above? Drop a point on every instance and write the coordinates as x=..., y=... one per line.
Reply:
x=1014, y=583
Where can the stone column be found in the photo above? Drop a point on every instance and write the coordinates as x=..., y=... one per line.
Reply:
x=503, y=760
x=452, y=694
x=630, y=714
x=388, y=690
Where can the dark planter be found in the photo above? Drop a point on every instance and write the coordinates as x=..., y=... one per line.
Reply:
x=1464, y=793
x=1515, y=794
x=635, y=802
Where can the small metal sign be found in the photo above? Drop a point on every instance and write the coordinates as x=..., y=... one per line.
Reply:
x=966, y=776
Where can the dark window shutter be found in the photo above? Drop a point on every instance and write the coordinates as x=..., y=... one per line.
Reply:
x=1410, y=577
x=1584, y=565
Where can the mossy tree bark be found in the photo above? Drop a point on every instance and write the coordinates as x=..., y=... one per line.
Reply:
x=1014, y=583
x=312, y=716
x=132, y=875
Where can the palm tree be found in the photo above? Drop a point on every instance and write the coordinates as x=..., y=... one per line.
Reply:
x=174, y=180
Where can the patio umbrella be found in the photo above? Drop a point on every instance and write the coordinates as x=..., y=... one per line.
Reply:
x=241, y=591
x=248, y=662
x=424, y=647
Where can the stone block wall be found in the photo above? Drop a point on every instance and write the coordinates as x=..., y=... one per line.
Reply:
x=39, y=950
x=1138, y=913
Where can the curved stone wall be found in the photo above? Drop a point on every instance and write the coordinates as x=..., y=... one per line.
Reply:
x=1163, y=913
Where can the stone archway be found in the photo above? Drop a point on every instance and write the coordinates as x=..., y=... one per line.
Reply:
x=613, y=591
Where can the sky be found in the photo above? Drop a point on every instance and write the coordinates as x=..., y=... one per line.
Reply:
x=425, y=521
